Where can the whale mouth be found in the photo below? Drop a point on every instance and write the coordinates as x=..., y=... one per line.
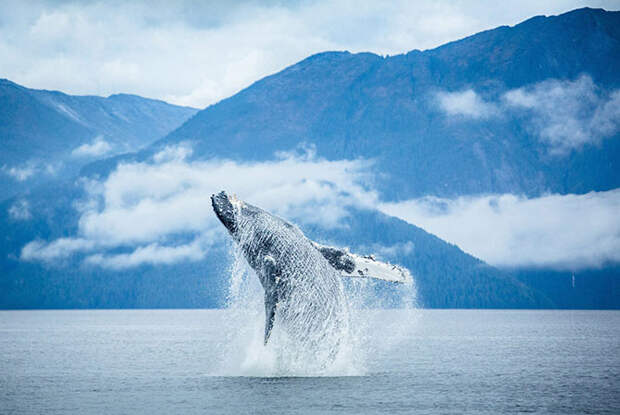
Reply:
x=225, y=208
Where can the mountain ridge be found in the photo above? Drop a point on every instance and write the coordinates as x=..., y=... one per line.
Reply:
x=49, y=133
x=364, y=105
x=387, y=109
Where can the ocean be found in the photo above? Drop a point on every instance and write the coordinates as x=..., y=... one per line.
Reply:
x=406, y=361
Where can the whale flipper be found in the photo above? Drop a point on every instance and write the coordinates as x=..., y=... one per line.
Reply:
x=270, y=283
x=363, y=266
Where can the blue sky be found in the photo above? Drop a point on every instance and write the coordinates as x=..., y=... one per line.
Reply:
x=196, y=53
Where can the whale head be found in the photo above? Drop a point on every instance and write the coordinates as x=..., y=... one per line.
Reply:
x=227, y=208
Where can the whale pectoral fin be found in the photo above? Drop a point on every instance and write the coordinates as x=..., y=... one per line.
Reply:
x=368, y=267
x=363, y=266
x=270, y=284
x=339, y=258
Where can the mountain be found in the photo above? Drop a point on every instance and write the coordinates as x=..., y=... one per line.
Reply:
x=468, y=118
x=387, y=109
x=47, y=134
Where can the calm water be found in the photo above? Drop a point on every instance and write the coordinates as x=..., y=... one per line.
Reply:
x=436, y=362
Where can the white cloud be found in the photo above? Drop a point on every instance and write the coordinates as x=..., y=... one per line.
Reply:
x=20, y=210
x=142, y=209
x=214, y=49
x=145, y=205
x=31, y=169
x=466, y=103
x=559, y=231
x=567, y=115
x=173, y=153
x=20, y=174
x=60, y=248
x=97, y=148
x=153, y=254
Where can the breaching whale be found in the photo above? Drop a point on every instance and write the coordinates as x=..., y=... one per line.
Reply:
x=301, y=278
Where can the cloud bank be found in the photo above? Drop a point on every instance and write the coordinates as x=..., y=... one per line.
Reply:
x=214, y=49
x=159, y=212
x=557, y=231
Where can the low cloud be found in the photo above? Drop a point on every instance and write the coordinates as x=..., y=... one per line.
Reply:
x=153, y=254
x=20, y=174
x=558, y=231
x=567, y=115
x=159, y=212
x=466, y=103
x=173, y=153
x=30, y=170
x=20, y=210
x=146, y=206
x=58, y=249
x=97, y=148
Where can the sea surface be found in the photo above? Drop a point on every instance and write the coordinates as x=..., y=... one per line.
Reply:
x=411, y=361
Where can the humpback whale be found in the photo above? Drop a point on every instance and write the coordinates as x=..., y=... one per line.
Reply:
x=301, y=279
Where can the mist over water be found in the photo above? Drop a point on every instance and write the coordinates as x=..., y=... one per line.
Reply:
x=346, y=347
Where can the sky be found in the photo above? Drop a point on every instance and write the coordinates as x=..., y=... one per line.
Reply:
x=197, y=53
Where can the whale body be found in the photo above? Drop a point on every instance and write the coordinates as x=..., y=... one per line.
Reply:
x=301, y=279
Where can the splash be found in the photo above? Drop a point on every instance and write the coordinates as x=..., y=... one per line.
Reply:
x=322, y=327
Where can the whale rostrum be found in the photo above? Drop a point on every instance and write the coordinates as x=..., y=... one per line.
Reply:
x=300, y=278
